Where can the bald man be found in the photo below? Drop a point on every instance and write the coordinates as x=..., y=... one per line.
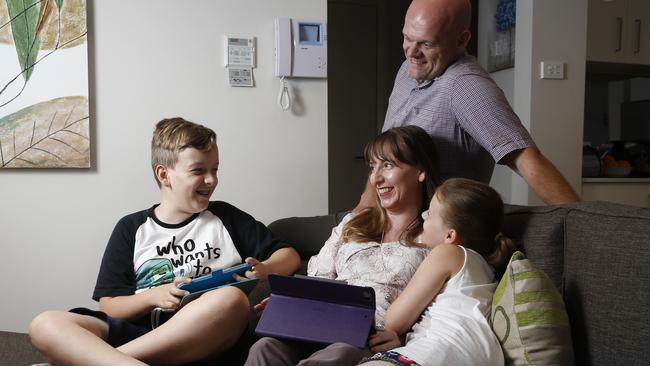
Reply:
x=443, y=90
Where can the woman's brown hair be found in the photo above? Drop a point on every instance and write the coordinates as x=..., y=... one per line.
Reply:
x=475, y=211
x=409, y=145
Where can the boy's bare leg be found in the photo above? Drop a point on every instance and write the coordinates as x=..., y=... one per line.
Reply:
x=206, y=326
x=73, y=339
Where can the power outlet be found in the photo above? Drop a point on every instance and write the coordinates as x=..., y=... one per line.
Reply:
x=551, y=70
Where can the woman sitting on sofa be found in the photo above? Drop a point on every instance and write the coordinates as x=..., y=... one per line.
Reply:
x=377, y=247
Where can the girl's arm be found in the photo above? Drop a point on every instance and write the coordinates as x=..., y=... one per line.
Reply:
x=443, y=261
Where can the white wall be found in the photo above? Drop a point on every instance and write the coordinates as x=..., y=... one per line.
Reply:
x=556, y=112
x=150, y=60
x=552, y=110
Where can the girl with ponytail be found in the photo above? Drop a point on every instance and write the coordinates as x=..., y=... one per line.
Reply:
x=451, y=292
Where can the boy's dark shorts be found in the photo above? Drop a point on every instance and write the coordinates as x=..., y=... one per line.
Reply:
x=120, y=331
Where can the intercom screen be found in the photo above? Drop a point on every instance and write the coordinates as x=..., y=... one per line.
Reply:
x=309, y=33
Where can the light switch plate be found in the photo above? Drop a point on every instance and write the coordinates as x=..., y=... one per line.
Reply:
x=551, y=70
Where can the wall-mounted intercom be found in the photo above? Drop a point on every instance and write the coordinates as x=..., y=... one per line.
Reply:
x=300, y=48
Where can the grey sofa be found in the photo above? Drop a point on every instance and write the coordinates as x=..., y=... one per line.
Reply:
x=596, y=253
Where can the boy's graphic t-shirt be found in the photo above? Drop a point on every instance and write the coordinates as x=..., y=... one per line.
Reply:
x=192, y=248
x=144, y=252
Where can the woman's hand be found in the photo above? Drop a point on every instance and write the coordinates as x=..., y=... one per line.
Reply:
x=261, y=306
x=384, y=340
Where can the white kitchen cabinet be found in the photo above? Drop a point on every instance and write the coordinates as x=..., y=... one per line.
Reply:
x=628, y=191
x=619, y=31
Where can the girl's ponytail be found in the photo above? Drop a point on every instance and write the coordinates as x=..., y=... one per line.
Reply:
x=503, y=249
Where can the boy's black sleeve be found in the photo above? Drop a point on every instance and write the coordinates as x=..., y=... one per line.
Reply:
x=116, y=275
x=251, y=237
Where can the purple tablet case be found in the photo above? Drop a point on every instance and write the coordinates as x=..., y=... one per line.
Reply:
x=316, y=310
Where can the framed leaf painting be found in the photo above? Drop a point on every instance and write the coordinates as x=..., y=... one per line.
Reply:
x=44, y=114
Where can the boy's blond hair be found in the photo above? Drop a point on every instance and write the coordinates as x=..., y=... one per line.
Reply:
x=173, y=135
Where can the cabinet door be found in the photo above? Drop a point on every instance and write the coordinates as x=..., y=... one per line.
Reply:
x=638, y=32
x=605, y=30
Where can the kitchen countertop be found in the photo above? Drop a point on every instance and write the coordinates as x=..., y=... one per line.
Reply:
x=616, y=180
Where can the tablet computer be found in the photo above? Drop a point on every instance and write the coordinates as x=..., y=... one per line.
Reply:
x=160, y=315
x=215, y=278
x=317, y=310
x=246, y=285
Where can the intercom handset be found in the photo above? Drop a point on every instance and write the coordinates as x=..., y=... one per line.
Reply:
x=300, y=48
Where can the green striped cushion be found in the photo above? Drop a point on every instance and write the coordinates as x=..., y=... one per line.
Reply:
x=529, y=318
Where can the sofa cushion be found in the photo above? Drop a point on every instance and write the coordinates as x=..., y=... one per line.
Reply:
x=529, y=318
x=539, y=232
x=607, y=282
x=306, y=234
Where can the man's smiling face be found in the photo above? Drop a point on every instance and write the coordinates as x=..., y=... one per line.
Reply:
x=432, y=40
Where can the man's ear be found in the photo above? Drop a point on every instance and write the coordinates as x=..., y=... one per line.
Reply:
x=422, y=176
x=464, y=38
x=452, y=237
x=162, y=175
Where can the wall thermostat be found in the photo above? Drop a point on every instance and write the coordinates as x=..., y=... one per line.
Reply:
x=240, y=77
x=240, y=52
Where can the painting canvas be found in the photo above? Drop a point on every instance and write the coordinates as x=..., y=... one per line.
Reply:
x=44, y=113
x=501, y=36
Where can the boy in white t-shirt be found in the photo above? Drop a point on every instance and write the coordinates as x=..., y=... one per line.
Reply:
x=152, y=251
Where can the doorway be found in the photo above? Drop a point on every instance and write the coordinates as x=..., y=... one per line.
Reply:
x=364, y=53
